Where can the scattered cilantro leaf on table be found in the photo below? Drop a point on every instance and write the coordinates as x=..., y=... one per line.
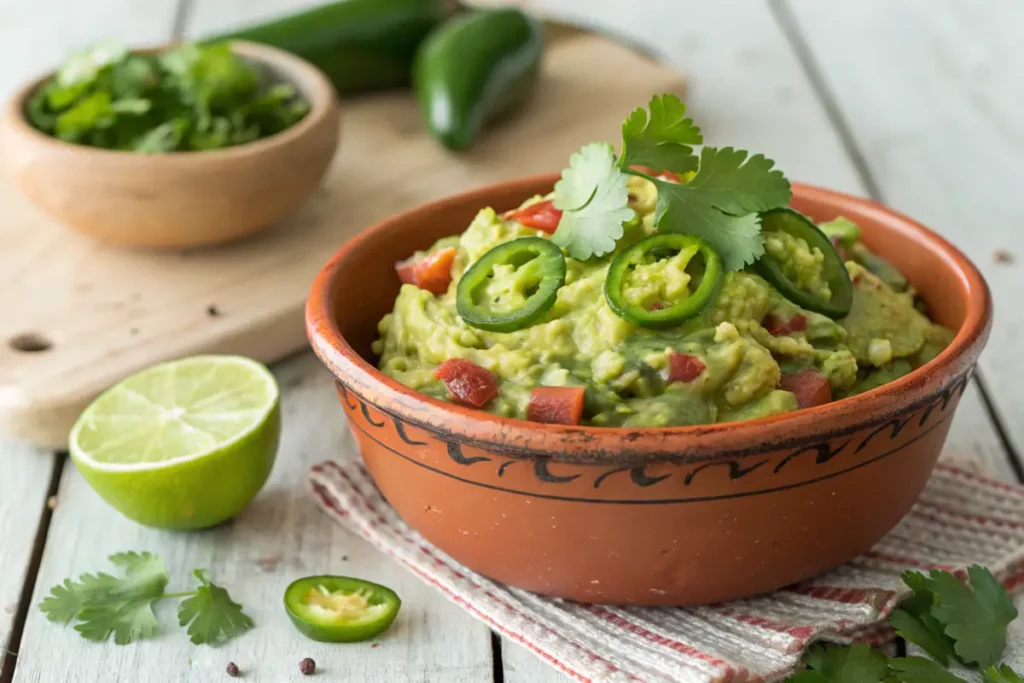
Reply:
x=975, y=616
x=211, y=616
x=104, y=604
x=914, y=621
x=663, y=140
x=921, y=670
x=842, y=664
x=1002, y=674
x=594, y=202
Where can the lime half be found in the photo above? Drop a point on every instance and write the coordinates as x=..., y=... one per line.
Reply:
x=184, y=444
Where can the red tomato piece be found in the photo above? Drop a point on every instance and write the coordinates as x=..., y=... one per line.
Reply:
x=556, y=405
x=810, y=386
x=682, y=367
x=467, y=382
x=540, y=215
x=666, y=175
x=777, y=326
x=433, y=272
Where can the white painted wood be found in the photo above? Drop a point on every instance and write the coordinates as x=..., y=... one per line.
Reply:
x=282, y=536
x=38, y=34
x=24, y=482
x=933, y=91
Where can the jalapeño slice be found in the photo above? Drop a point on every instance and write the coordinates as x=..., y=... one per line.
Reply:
x=768, y=267
x=339, y=609
x=651, y=250
x=512, y=286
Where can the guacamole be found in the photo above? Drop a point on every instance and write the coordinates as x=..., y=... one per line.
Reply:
x=750, y=351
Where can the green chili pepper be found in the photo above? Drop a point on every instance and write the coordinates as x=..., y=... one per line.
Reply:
x=474, y=68
x=511, y=286
x=339, y=609
x=650, y=250
x=798, y=225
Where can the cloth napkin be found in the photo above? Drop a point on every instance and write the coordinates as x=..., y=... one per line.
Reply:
x=962, y=518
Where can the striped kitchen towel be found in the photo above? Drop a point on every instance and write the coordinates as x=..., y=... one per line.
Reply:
x=962, y=518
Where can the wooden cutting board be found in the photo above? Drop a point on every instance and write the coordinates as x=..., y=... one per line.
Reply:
x=76, y=316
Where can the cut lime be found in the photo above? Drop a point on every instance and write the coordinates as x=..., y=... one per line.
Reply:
x=184, y=444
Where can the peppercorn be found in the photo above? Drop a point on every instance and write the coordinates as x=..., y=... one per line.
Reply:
x=232, y=670
x=307, y=666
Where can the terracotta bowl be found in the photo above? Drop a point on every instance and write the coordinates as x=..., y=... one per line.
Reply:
x=178, y=199
x=671, y=516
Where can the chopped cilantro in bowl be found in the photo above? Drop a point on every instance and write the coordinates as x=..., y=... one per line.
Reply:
x=186, y=98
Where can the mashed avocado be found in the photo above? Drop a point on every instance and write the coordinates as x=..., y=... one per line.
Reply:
x=624, y=368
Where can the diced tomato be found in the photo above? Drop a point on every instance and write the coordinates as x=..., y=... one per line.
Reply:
x=667, y=175
x=556, y=405
x=777, y=327
x=467, y=382
x=656, y=306
x=810, y=386
x=682, y=367
x=541, y=215
x=433, y=272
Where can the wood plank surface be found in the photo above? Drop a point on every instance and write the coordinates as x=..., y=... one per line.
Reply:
x=282, y=536
x=24, y=487
x=932, y=93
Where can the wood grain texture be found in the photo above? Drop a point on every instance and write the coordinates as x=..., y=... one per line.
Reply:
x=934, y=107
x=24, y=484
x=282, y=536
x=108, y=312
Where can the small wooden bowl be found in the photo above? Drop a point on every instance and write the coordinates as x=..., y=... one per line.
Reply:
x=655, y=516
x=178, y=199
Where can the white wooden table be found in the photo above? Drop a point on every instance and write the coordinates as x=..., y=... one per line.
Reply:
x=915, y=102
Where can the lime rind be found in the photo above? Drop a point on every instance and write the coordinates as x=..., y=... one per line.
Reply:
x=174, y=412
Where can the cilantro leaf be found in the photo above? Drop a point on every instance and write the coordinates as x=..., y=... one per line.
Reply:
x=975, y=617
x=921, y=670
x=720, y=203
x=211, y=616
x=663, y=140
x=594, y=202
x=106, y=604
x=1002, y=674
x=915, y=623
x=856, y=663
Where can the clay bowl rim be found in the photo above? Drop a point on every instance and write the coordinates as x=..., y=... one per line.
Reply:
x=519, y=439
x=311, y=83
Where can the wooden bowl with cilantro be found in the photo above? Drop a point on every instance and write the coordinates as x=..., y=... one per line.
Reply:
x=172, y=147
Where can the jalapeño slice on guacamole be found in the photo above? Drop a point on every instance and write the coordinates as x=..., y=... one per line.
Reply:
x=512, y=285
x=339, y=609
x=829, y=292
x=645, y=307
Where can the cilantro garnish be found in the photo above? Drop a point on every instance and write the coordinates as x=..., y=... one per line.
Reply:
x=593, y=199
x=662, y=141
x=720, y=203
x=191, y=97
x=949, y=619
x=104, y=604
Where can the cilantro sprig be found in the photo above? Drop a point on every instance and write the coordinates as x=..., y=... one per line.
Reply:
x=122, y=606
x=951, y=620
x=720, y=203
